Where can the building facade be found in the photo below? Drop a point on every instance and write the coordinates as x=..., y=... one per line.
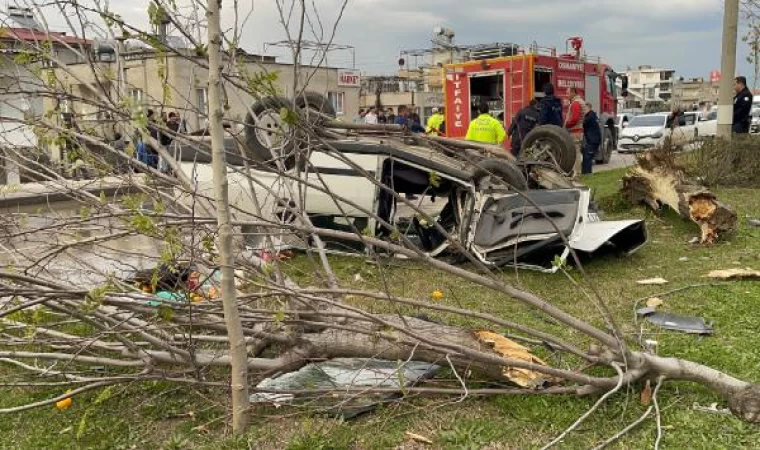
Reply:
x=649, y=85
x=695, y=93
x=179, y=83
x=27, y=50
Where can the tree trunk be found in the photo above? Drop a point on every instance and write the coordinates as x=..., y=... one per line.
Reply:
x=234, y=326
x=657, y=180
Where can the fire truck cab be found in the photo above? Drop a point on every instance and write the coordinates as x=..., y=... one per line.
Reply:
x=508, y=83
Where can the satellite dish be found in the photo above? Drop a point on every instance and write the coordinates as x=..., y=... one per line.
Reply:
x=401, y=62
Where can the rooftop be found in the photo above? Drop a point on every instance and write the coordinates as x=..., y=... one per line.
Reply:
x=29, y=35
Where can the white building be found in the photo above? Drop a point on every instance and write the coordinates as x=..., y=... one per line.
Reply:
x=22, y=88
x=647, y=85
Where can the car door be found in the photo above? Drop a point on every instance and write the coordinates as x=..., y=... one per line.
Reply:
x=675, y=131
x=349, y=175
x=690, y=129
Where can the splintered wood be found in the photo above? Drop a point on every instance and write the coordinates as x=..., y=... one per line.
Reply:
x=734, y=274
x=512, y=350
x=658, y=181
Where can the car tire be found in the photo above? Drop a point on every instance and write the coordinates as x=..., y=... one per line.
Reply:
x=605, y=153
x=314, y=101
x=270, y=127
x=553, y=144
x=506, y=172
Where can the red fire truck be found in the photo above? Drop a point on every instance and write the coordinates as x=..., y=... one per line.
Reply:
x=508, y=83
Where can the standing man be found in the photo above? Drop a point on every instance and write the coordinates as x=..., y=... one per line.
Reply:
x=151, y=155
x=574, y=124
x=485, y=128
x=551, y=107
x=402, y=117
x=592, y=137
x=575, y=114
x=742, y=106
x=391, y=118
x=525, y=121
x=434, y=122
x=371, y=117
x=360, y=117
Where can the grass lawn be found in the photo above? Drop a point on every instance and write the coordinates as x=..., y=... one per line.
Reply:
x=158, y=415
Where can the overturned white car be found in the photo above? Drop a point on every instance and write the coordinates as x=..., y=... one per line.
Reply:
x=493, y=208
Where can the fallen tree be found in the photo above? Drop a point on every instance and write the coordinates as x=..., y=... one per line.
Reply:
x=657, y=180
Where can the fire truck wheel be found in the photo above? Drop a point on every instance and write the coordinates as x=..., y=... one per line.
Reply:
x=605, y=151
x=267, y=136
x=316, y=102
x=552, y=144
x=500, y=172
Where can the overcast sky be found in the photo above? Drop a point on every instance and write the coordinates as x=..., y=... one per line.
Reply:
x=681, y=34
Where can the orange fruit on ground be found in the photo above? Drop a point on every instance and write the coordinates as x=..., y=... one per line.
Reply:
x=64, y=404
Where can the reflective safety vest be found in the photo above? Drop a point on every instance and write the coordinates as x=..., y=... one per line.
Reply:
x=487, y=130
x=434, y=124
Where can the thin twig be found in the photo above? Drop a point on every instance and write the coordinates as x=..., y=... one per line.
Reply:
x=596, y=406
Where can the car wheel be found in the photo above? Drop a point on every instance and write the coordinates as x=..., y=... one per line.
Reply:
x=605, y=152
x=553, y=144
x=268, y=137
x=500, y=171
x=315, y=102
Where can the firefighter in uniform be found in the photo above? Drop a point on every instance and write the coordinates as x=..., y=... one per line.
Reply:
x=434, y=122
x=485, y=128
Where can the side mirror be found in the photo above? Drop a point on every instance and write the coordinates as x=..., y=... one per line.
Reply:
x=624, y=81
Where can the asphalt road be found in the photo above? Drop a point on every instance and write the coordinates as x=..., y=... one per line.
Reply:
x=617, y=161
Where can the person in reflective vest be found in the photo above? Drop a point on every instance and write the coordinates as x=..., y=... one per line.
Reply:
x=485, y=128
x=434, y=123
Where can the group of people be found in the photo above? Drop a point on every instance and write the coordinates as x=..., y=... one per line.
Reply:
x=376, y=116
x=146, y=152
x=581, y=121
x=405, y=117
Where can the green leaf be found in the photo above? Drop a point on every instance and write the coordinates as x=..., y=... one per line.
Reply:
x=434, y=179
x=165, y=314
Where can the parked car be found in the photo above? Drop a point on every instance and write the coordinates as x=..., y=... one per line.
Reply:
x=754, y=126
x=652, y=130
x=346, y=184
x=708, y=123
x=689, y=127
x=622, y=120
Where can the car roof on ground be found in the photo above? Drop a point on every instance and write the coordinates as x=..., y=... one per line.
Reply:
x=421, y=156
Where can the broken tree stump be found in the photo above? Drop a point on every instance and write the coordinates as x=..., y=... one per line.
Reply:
x=657, y=180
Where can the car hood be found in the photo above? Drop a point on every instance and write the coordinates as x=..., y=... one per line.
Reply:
x=641, y=131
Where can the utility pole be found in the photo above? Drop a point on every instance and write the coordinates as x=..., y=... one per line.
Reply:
x=728, y=68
